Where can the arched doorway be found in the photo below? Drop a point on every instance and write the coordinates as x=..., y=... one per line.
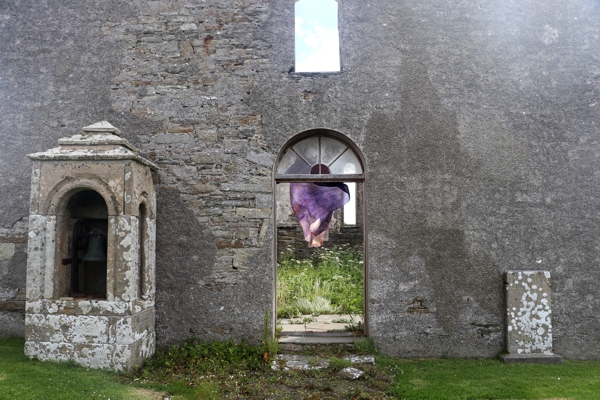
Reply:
x=320, y=288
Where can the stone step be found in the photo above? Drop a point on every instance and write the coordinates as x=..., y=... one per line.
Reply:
x=320, y=338
x=305, y=363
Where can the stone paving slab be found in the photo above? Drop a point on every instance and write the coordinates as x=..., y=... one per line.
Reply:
x=319, y=339
x=537, y=358
x=351, y=373
x=305, y=363
x=321, y=323
x=298, y=362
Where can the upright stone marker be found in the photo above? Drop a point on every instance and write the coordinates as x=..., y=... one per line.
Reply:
x=528, y=318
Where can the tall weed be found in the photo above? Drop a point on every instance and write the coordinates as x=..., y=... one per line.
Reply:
x=198, y=357
x=328, y=283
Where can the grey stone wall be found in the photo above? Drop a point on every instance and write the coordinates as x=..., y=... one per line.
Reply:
x=290, y=241
x=478, y=122
x=479, y=126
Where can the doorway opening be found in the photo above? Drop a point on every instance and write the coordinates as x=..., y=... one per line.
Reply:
x=320, y=270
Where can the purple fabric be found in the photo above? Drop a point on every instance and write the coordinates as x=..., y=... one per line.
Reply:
x=314, y=204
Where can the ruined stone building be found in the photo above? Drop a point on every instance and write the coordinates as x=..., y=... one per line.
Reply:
x=476, y=124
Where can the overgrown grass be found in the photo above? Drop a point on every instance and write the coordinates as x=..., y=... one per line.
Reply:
x=199, y=370
x=201, y=358
x=329, y=283
x=24, y=379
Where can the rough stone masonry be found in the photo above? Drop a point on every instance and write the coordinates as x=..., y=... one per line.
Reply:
x=478, y=123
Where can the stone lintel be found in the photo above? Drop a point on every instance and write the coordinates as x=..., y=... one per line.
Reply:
x=533, y=358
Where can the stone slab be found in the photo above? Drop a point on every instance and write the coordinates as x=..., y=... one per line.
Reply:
x=528, y=312
x=298, y=362
x=319, y=339
x=320, y=323
x=351, y=373
x=532, y=358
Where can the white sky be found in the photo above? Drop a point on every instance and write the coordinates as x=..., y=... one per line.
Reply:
x=350, y=207
x=317, y=36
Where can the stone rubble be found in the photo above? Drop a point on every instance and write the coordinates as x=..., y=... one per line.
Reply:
x=288, y=362
x=351, y=373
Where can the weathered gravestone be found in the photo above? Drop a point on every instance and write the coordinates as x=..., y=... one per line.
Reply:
x=528, y=318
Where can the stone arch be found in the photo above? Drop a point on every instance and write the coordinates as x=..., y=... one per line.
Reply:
x=320, y=132
x=57, y=205
x=146, y=200
x=59, y=196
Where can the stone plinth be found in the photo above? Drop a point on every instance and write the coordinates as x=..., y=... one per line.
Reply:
x=528, y=317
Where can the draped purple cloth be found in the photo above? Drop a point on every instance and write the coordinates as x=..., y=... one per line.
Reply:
x=314, y=204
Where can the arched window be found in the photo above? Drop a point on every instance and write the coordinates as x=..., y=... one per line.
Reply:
x=323, y=155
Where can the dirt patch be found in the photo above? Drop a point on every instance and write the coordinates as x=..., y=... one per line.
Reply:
x=144, y=394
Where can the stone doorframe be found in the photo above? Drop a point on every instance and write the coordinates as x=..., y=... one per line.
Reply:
x=360, y=178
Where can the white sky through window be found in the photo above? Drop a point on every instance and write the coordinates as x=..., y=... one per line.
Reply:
x=350, y=207
x=317, y=36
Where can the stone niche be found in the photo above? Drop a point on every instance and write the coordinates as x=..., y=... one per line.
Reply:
x=91, y=252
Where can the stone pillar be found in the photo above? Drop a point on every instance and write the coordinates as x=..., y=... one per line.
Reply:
x=103, y=315
x=528, y=318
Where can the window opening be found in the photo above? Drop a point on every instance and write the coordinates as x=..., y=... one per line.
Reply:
x=314, y=203
x=87, y=224
x=320, y=273
x=317, y=39
x=350, y=207
x=143, y=233
x=320, y=155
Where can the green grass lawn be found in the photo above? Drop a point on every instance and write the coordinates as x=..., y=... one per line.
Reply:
x=25, y=379
x=491, y=379
x=229, y=370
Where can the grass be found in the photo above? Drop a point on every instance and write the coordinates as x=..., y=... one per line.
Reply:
x=491, y=379
x=331, y=282
x=227, y=370
x=22, y=378
x=198, y=370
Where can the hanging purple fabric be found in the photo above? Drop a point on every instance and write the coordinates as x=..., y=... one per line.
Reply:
x=314, y=204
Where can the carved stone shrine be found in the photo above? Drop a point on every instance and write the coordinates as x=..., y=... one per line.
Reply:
x=91, y=252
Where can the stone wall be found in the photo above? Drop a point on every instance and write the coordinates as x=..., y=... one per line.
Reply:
x=478, y=123
x=13, y=258
x=192, y=66
x=290, y=240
